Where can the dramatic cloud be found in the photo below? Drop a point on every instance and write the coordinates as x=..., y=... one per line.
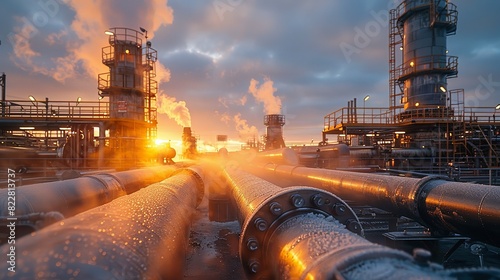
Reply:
x=319, y=54
x=84, y=37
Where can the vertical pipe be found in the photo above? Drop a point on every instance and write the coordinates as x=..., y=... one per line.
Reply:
x=349, y=111
x=47, y=127
x=102, y=136
x=139, y=236
x=355, y=109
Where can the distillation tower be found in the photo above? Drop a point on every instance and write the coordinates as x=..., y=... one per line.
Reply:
x=131, y=87
x=427, y=126
x=420, y=28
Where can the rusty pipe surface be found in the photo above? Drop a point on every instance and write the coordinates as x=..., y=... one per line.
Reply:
x=468, y=209
x=73, y=196
x=139, y=236
x=306, y=233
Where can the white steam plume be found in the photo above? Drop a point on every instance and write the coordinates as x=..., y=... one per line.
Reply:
x=265, y=94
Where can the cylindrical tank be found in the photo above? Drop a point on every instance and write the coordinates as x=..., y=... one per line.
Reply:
x=426, y=66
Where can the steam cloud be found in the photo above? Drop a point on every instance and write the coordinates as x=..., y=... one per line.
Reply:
x=176, y=110
x=265, y=94
x=245, y=131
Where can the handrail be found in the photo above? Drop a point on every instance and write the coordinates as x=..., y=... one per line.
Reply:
x=56, y=109
x=383, y=116
x=428, y=63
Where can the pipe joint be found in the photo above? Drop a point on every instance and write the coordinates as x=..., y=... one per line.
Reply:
x=259, y=228
x=420, y=191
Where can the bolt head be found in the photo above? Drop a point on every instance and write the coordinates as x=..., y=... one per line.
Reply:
x=252, y=244
x=354, y=226
x=260, y=224
x=297, y=200
x=339, y=209
x=254, y=266
x=318, y=200
x=276, y=208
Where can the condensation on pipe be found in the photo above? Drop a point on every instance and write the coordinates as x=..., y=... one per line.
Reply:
x=303, y=233
x=263, y=208
x=73, y=196
x=143, y=235
x=311, y=246
x=469, y=209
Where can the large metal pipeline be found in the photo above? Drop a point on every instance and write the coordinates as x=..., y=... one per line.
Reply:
x=469, y=209
x=277, y=156
x=307, y=233
x=143, y=235
x=73, y=196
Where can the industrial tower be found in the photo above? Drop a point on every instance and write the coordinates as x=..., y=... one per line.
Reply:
x=131, y=87
x=418, y=30
x=274, y=125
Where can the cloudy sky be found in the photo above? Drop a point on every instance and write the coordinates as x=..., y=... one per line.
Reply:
x=228, y=62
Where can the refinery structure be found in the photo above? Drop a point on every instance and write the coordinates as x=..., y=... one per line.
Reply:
x=426, y=127
x=410, y=190
x=116, y=131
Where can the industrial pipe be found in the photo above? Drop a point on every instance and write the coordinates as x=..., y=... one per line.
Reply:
x=73, y=196
x=468, y=209
x=262, y=210
x=307, y=233
x=278, y=156
x=143, y=235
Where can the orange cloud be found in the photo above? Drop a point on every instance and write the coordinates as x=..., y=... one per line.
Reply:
x=265, y=94
x=91, y=19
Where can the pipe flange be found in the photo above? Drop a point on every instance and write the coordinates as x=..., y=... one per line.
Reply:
x=283, y=205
